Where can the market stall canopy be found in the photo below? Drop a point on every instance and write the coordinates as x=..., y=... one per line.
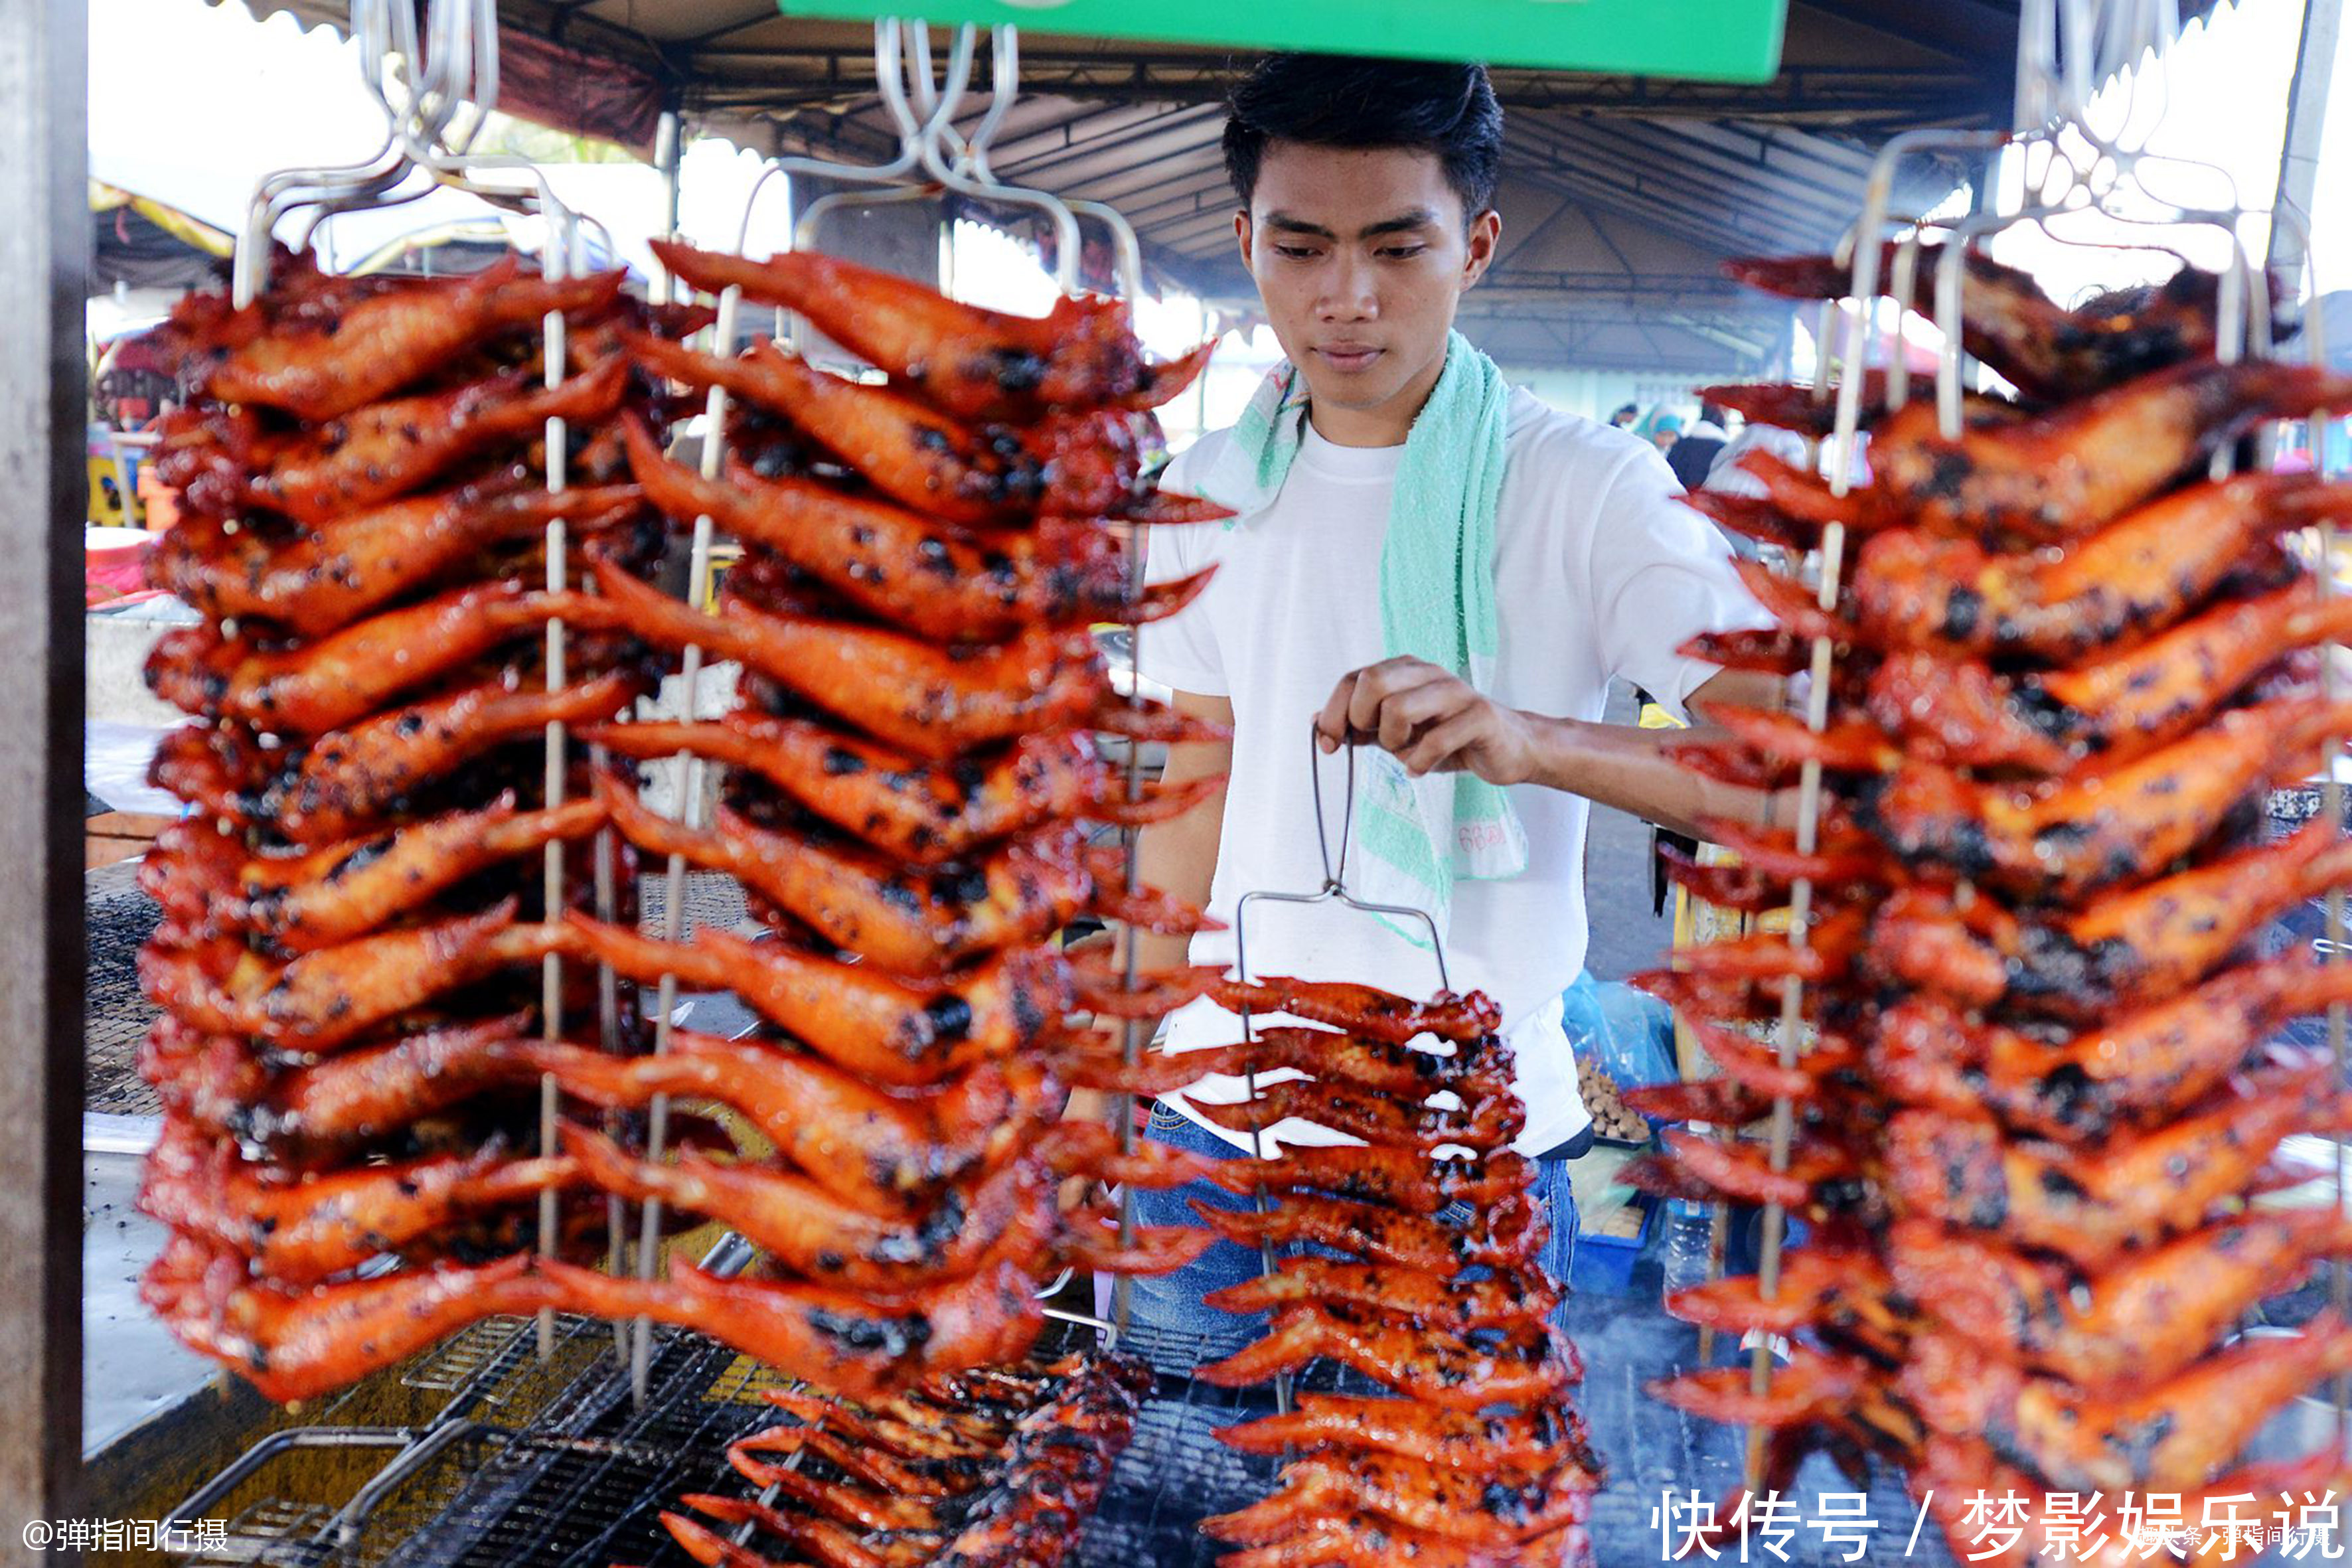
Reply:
x=141, y=243
x=1622, y=196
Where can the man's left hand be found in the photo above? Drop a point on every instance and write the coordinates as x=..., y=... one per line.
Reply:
x=1432, y=720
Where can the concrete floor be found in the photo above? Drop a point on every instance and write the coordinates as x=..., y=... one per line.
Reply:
x=131, y=1367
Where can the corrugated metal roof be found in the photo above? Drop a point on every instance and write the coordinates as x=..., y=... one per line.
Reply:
x=1622, y=195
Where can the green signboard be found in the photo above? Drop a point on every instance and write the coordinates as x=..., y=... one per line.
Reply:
x=1713, y=40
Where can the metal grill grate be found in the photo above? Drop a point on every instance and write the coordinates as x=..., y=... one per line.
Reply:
x=585, y=1485
x=525, y=1463
x=712, y=899
x=1175, y=1473
x=470, y=1354
x=495, y=1364
x=1172, y=1475
x=271, y=1531
x=115, y=1014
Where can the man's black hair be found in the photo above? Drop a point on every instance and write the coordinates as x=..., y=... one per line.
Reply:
x=1332, y=100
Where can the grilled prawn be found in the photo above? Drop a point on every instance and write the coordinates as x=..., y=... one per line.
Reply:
x=2138, y=946
x=925, y=575
x=321, y=370
x=342, y=679
x=207, y=882
x=2135, y=1192
x=1449, y=1372
x=2047, y=351
x=2144, y=1319
x=910, y=922
x=1072, y=466
x=884, y=1151
x=975, y=363
x=899, y=1033
x=924, y=812
x=328, y=998
x=1366, y=1010
x=854, y=1343
x=301, y=1232
x=297, y=1345
x=371, y=455
x=320, y=579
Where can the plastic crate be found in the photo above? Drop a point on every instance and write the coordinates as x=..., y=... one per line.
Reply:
x=1605, y=1258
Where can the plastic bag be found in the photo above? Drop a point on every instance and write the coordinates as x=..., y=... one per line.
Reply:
x=1627, y=1035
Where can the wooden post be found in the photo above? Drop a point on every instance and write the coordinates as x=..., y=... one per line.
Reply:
x=44, y=277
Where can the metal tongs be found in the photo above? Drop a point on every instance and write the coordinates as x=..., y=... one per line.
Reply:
x=1335, y=872
x=1334, y=890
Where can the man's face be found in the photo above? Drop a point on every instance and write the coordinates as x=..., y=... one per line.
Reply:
x=1362, y=257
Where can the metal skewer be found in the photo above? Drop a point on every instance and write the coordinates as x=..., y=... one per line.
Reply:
x=423, y=135
x=693, y=772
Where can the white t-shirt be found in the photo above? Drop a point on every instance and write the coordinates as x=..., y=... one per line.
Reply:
x=1599, y=572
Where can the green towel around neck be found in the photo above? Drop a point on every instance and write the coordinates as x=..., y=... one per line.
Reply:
x=1437, y=604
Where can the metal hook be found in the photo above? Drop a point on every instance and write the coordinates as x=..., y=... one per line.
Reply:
x=1004, y=85
x=950, y=177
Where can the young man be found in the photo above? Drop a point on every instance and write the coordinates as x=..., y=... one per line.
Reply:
x=1430, y=564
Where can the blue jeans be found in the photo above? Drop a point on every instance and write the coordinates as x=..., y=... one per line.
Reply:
x=1169, y=1307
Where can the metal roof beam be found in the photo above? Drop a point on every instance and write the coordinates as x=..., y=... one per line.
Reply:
x=1671, y=219
x=1674, y=221
x=1686, y=182
x=1832, y=94
x=1677, y=216
x=1202, y=227
x=1051, y=135
x=1613, y=285
x=1682, y=190
x=1174, y=131
x=1770, y=146
x=1700, y=217
x=1166, y=196
x=1590, y=313
x=1961, y=29
x=1191, y=195
x=1513, y=245
x=1475, y=323
x=1837, y=202
x=1154, y=129
x=1754, y=344
x=1716, y=333
x=753, y=16
x=837, y=135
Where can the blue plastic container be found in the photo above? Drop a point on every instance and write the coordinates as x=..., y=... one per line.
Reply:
x=1604, y=1264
